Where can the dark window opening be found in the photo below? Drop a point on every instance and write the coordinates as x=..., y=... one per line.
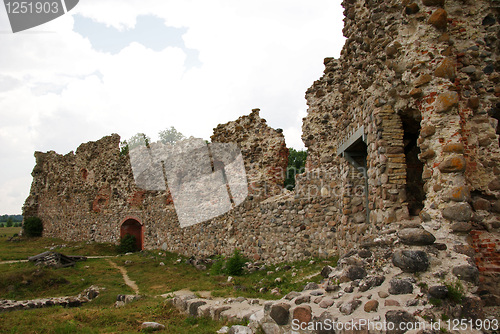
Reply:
x=415, y=194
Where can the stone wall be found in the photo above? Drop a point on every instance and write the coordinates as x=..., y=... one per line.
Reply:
x=403, y=155
x=264, y=149
x=419, y=81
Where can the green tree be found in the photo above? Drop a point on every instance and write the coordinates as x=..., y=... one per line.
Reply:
x=170, y=136
x=296, y=165
x=33, y=227
x=9, y=222
x=139, y=139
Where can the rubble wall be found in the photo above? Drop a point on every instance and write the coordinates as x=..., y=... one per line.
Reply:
x=403, y=157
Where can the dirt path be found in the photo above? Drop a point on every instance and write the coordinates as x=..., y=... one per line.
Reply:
x=127, y=279
x=12, y=261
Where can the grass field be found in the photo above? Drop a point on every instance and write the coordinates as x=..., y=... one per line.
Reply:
x=155, y=273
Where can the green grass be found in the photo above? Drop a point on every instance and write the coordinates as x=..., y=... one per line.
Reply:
x=9, y=231
x=21, y=281
x=152, y=278
x=93, y=318
x=26, y=247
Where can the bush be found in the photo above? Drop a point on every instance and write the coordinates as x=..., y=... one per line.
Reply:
x=455, y=291
x=32, y=227
x=218, y=266
x=127, y=244
x=235, y=264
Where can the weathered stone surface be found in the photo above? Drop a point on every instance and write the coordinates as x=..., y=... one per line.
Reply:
x=391, y=302
x=469, y=69
x=467, y=273
x=311, y=286
x=494, y=185
x=446, y=101
x=438, y=291
x=422, y=80
x=302, y=314
x=496, y=206
x=427, y=131
x=427, y=154
x=454, y=148
x=383, y=294
x=371, y=306
x=291, y=295
x=326, y=271
x=458, y=212
x=410, y=261
x=416, y=93
x=461, y=227
x=400, y=287
x=193, y=307
x=326, y=302
x=302, y=299
x=412, y=9
x=280, y=313
x=355, y=272
x=364, y=253
x=453, y=164
x=446, y=69
x=152, y=326
x=416, y=236
x=472, y=308
x=323, y=324
x=397, y=318
x=459, y=194
x=349, y=307
x=238, y=329
x=370, y=282
x=439, y=19
x=433, y=2
x=464, y=249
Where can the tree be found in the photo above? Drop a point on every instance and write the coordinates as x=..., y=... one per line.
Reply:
x=33, y=227
x=139, y=139
x=296, y=165
x=170, y=136
x=9, y=222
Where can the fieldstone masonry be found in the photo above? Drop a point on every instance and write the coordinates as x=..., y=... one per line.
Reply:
x=403, y=158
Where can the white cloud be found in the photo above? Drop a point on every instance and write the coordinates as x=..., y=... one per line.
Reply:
x=56, y=91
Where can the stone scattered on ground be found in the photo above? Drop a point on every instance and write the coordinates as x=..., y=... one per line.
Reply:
x=73, y=301
x=152, y=326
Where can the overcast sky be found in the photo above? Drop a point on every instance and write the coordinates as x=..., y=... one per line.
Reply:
x=128, y=66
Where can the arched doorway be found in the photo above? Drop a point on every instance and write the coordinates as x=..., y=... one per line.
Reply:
x=133, y=227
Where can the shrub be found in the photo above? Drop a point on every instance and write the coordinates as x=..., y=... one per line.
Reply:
x=127, y=244
x=218, y=266
x=235, y=264
x=455, y=291
x=33, y=227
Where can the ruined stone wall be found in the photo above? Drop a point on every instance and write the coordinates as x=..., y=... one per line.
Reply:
x=416, y=81
x=421, y=79
x=264, y=149
x=87, y=195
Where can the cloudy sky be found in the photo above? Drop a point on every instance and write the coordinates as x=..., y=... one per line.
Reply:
x=128, y=66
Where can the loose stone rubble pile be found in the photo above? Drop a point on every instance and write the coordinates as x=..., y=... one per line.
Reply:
x=73, y=301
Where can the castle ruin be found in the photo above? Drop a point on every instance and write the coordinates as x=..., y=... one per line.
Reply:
x=402, y=133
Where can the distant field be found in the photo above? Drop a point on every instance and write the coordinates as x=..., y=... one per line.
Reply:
x=9, y=231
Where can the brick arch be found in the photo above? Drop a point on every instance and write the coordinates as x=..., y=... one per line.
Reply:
x=132, y=225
